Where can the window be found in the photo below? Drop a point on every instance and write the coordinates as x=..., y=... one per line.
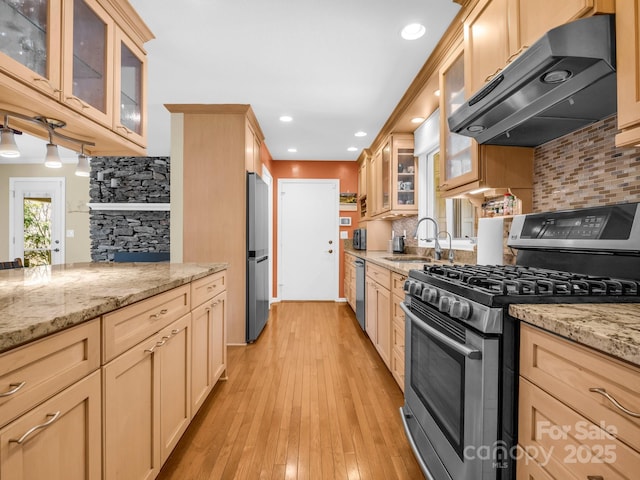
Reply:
x=454, y=215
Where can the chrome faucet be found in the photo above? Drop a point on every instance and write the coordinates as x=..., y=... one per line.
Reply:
x=450, y=257
x=437, y=249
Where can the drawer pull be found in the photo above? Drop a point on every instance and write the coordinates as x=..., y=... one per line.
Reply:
x=595, y=477
x=23, y=438
x=16, y=387
x=164, y=311
x=605, y=394
x=211, y=287
x=158, y=344
x=175, y=331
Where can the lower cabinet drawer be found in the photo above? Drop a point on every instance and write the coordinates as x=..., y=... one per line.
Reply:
x=35, y=372
x=571, y=373
x=380, y=274
x=130, y=325
x=528, y=469
x=208, y=287
x=566, y=444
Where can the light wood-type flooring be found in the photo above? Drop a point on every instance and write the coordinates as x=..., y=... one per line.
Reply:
x=311, y=399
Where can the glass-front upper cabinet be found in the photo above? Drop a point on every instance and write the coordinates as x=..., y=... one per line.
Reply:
x=405, y=173
x=458, y=163
x=88, y=77
x=385, y=187
x=30, y=42
x=130, y=89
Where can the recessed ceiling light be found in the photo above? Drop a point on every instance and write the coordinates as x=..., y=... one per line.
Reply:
x=413, y=31
x=292, y=150
x=417, y=120
x=286, y=118
x=352, y=149
x=360, y=134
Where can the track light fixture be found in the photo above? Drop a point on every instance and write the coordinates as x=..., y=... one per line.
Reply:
x=82, y=168
x=8, y=147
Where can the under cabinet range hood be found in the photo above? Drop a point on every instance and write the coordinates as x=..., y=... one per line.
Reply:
x=563, y=82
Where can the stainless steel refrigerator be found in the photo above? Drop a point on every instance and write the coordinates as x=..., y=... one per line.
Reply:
x=257, y=256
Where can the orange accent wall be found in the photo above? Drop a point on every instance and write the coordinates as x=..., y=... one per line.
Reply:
x=345, y=171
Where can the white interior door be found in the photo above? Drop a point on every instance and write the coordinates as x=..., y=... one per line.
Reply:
x=44, y=242
x=308, y=252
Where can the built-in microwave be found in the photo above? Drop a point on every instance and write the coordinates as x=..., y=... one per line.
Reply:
x=360, y=239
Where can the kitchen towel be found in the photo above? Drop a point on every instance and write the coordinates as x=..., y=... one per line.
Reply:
x=490, y=241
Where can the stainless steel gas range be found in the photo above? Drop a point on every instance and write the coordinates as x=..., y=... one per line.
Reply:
x=461, y=345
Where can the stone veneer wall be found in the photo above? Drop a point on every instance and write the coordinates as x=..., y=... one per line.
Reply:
x=138, y=180
x=585, y=169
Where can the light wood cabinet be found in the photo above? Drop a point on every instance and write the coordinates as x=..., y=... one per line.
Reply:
x=628, y=72
x=397, y=328
x=393, y=180
x=213, y=165
x=58, y=440
x=26, y=371
x=147, y=402
x=363, y=180
x=86, y=67
x=350, y=280
x=62, y=437
x=496, y=32
x=208, y=340
x=581, y=431
x=252, y=146
x=378, y=310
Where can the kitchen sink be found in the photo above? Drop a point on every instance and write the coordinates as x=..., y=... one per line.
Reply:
x=407, y=258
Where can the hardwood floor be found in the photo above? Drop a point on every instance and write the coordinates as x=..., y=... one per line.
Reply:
x=311, y=399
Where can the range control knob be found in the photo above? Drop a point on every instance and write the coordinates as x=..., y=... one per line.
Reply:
x=445, y=304
x=430, y=295
x=460, y=309
x=415, y=289
x=407, y=285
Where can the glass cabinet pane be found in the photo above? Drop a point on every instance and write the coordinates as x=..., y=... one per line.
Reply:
x=131, y=89
x=89, y=56
x=458, y=147
x=406, y=177
x=23, y=32
x=386, y=178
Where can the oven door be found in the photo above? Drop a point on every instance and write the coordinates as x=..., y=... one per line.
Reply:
x=451, y=396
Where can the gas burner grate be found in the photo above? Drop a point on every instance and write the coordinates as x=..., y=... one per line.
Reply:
x=520, y=280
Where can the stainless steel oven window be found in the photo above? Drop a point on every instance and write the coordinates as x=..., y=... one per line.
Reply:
x=440, y=384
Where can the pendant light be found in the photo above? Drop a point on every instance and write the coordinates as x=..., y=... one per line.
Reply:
x=8, y=147
x=82, y=168
x=52, y=158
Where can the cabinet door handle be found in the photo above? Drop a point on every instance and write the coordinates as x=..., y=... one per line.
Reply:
x=595, y=477
x=158, y=344
x=615, y=402
x=54, y=89
x=127, y=131
x=23, y=438
x=493, y=74
x=520, y=50
x=175, y=331
x=164, y=311
x=16, y=387
x=82, y=104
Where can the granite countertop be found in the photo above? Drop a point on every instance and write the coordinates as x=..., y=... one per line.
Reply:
x=39, y=301
x=378, y=257
x=613, y=328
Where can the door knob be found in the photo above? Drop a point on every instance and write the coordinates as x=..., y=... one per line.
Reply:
x=330, y=242
x=330, y=251
x=56, y=249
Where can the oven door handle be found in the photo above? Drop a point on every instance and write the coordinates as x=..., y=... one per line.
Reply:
x=461, y=348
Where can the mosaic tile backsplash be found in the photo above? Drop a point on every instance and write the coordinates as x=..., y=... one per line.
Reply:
x=585, y=169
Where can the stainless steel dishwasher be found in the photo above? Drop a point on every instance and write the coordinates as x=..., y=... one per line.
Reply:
x=360, y=279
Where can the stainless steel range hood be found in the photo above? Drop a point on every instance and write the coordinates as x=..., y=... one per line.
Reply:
x=563, y=82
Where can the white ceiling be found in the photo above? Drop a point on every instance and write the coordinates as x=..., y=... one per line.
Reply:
x=335, y=66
